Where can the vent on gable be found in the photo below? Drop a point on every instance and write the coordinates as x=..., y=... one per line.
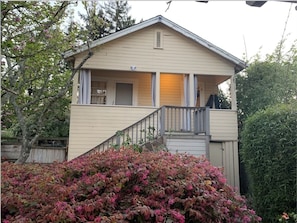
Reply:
x=158, y=39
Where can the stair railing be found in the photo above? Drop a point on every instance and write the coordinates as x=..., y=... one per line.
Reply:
x=165, y=120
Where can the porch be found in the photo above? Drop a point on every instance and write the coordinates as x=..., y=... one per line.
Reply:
x=153, y=89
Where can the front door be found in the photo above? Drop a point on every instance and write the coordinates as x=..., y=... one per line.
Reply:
x=124, y=94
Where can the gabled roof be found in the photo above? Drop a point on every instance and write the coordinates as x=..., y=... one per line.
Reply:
x=239, y=64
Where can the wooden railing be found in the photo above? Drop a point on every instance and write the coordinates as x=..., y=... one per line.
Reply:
x=165, y=120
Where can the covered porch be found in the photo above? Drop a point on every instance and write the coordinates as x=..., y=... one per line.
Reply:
x=153, y=89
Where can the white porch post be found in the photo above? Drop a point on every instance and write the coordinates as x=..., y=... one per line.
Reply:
x=158, y=89
x=195, y=89
x=191, y=90
x=233, y=93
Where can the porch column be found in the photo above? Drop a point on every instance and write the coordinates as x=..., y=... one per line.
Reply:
x=195, y=89
x=233, y=93
x=191, y=90
x=158, y=89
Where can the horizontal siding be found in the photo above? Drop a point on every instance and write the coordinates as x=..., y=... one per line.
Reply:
x=179, y=54
x=223, y=124
x=144, y=97
x=171, y=89
x=92, y=124
x=196, y=147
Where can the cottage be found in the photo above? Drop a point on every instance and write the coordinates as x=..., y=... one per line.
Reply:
x=155, y=80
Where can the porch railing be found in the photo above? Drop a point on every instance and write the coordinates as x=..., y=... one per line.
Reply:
x=165, y=120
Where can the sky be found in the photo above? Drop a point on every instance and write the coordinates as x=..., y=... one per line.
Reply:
x=233, y=26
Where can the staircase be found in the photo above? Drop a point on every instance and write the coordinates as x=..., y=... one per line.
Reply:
x=165, y=121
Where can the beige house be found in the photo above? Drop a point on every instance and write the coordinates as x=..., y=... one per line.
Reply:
x=155, y=80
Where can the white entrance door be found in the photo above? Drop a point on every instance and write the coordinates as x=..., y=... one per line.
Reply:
x=124, y=94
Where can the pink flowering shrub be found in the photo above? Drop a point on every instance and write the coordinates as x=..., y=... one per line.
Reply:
x=121, y=186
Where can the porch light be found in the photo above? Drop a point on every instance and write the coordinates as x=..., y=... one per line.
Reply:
x=133, y=67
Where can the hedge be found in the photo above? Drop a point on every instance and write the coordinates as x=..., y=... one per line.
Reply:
x=269, y=153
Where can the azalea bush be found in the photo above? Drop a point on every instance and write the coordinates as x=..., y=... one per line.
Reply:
x=121, y=186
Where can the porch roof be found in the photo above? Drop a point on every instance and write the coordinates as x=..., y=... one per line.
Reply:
x=239, y=64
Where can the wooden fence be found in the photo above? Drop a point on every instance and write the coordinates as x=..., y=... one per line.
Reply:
x=46, y=150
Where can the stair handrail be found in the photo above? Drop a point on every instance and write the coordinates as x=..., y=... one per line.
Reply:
x=108, y=142
x=198, y=119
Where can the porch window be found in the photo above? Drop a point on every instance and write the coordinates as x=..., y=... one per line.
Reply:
x=98, y=92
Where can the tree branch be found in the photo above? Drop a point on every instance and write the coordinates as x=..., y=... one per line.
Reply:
x=8, y=90
x=63, y=91
x=168, y=3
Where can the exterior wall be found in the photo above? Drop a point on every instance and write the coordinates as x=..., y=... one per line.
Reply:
x=223, y=125
x=171, y=89
x=225, y=155
x=92, y=124
x=178, y=55
x=141, y=80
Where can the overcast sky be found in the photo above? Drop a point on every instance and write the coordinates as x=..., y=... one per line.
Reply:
x=230, y=25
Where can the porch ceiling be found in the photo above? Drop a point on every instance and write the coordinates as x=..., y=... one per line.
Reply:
x=214, y=78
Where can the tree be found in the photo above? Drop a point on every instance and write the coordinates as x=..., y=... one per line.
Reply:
x=103, y=19
x=117, y=12
x=268, y=82
x=96, y=25
x=36, y=78
x=224, y=100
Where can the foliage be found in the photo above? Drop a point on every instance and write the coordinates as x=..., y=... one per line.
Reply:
x=224, y=100
x=265, y=83
x=268, y=82
x=36, y=79
x=96, y=25
x=288, y=218
x=121, y=186
x=117, y=12
x=270, y=156
x=103, y=19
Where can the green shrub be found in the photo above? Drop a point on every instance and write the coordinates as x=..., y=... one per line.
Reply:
x=269, y=153
x=121, y=186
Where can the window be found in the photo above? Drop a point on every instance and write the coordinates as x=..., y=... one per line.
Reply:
x=98, y=92
x=159, y=39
